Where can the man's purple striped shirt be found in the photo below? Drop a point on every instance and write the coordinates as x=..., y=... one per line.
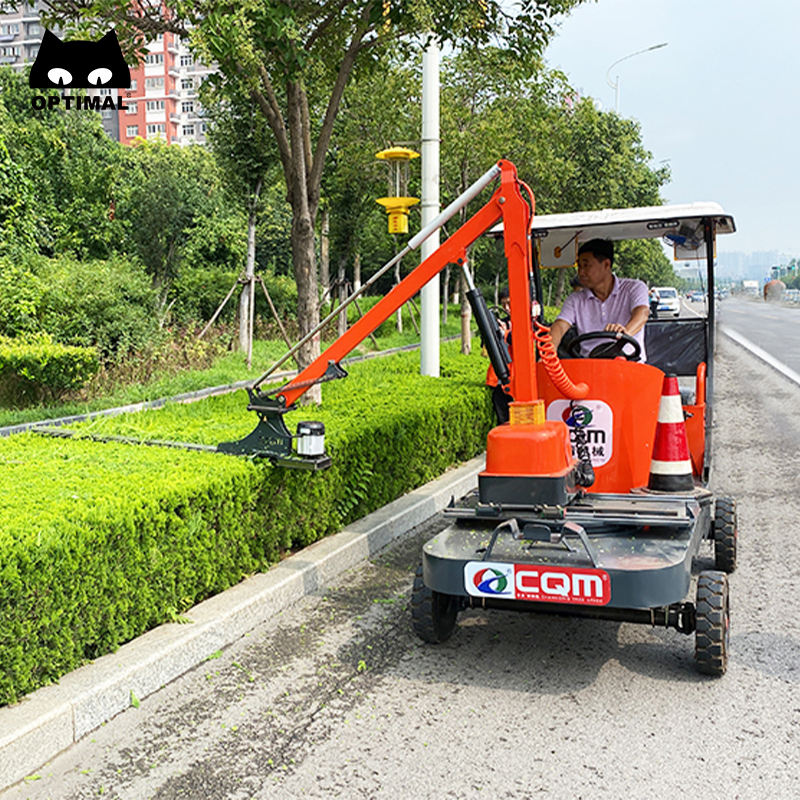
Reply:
x=587, y=313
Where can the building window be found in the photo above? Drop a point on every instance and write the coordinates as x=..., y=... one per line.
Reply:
x=131, y=131
x=203, y=127
x=107, y=114
x=104, y=92
x=133, y=84
x=188, y=130
x=187, y=107
x=154, y=83
x=160, y=37
x=154, y=58
x=9, y=30
x=132, y=107
x=187, y=83
x=155, y=105
x=187, y=61
x=154, y=129
x=34, y=29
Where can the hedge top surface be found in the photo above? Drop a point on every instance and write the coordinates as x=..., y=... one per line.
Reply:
x=51, y=484
x=374, y=387
x=54, y=484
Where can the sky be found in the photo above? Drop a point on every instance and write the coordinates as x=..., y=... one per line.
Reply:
x=720, y=103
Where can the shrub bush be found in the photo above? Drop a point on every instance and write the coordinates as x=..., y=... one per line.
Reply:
x=20, y=293
x=110, y=305
x=35, y=368
x=198, y=292
x=99, y=542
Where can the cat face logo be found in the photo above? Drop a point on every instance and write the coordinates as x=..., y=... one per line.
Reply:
x=79, y=65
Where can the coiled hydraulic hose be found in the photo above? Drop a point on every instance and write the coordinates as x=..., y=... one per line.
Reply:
x=553, y=365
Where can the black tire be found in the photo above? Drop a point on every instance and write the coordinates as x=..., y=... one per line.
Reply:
x=433, y=614
x=712, y=614
x=726, y=534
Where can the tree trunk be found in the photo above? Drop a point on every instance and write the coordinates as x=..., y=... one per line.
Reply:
x=305, y=275
x=466, y=315
x=357, y=270
x=341, y=293
x=445, y=293
x=248, y=295
x=397, y=280
x=560, y=287
x=324, y=253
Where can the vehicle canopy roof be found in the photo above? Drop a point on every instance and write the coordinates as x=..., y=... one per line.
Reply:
x=558, y=236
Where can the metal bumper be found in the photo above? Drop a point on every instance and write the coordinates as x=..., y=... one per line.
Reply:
x=644, y=543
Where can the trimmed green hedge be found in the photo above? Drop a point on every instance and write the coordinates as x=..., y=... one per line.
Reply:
x=35, y=367
x=100, y=542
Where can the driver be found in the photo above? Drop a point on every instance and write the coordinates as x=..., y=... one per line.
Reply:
x=610, y=303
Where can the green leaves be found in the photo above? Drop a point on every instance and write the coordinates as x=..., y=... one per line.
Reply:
x=100, y=542
x=34, y=367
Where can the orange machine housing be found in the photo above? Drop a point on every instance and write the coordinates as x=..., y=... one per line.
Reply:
x=632, y=391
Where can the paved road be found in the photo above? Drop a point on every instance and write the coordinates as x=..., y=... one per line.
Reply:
x=772, y=327
x=337, y=698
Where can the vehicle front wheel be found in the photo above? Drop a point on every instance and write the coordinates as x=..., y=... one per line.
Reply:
x=726, y=534
x=713, y=623
x=433, y=614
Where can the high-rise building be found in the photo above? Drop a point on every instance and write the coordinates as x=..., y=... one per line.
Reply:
x=163, y=100
x=20, y=35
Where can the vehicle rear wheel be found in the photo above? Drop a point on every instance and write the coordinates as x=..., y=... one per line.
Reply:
x=433, y=614
x=726, y=534
x=712, y=632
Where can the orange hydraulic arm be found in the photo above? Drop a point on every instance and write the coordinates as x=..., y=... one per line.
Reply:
x=506, y=204
x=272, y=439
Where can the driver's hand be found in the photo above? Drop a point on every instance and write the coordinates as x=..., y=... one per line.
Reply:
x=615, y=327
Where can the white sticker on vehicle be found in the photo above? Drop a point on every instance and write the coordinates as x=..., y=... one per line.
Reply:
x=597, y=419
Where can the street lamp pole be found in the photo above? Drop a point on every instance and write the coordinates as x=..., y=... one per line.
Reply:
x=615, y=85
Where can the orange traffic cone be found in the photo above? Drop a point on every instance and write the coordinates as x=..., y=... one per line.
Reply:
x=671, y=466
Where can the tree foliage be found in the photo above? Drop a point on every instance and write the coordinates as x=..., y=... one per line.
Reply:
x=294, y=60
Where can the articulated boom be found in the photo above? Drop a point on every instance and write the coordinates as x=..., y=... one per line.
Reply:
x=272, y=439
x=506, y=204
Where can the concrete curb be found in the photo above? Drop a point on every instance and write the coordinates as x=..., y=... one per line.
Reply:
x=53, y=718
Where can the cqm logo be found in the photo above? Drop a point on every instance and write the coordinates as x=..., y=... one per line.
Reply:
x=538, y=583
x=485, y=579
x=597, y=420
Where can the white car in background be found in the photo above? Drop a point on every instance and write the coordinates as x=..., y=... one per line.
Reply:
x=668, y=300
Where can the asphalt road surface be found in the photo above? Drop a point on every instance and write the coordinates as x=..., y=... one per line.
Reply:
x=774, y=327
x=337, y=697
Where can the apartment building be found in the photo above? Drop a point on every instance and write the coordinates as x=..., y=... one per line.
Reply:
x=163, y=100
x=20, y=35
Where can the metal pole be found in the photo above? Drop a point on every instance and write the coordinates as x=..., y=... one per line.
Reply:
x=615, y=85
x=708, y=226
x=429, y=295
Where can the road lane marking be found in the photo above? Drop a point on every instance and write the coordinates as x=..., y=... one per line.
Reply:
x=787, y=372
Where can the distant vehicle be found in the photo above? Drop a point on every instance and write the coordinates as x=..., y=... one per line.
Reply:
x=668, y=300
x=774, y=290
x=697, y=296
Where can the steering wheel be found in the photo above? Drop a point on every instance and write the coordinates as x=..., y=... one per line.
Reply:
x=610, y=349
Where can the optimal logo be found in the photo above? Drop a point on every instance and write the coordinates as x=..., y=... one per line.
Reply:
x=79, y=65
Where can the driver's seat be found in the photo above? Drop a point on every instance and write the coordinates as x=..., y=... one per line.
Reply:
x=623, y=409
